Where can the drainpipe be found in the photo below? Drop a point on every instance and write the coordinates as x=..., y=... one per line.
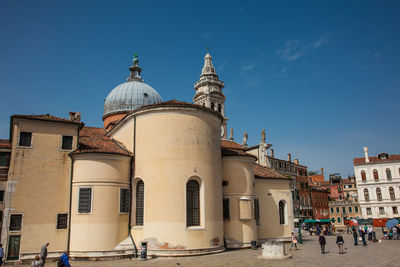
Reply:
x=132, y=173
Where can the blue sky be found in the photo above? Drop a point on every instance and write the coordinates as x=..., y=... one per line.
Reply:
x=321, y=76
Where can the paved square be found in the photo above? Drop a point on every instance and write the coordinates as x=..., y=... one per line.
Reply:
x=385, y=253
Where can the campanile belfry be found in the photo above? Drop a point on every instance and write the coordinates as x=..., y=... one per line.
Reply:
x=209, y=91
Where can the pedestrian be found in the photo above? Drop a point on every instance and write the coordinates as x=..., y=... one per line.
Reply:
x=394, y=232
x=322, y=243
x=355, y=236
x=293, y=241
x=37, y=262
x=359, y=229
x=63, y=261
x=369, y=230
x=43, y=253
x=363, y=238
x=1, y=254
x=340, y=242
x=318, y=230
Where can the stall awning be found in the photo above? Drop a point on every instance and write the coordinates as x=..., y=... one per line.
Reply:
x=317, y=221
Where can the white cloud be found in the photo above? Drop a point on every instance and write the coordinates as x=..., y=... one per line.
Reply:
x=296, y=48
x=284, y=69
x=247, y=67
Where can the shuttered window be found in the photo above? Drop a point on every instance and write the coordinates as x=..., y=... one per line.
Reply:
x=257, y=211
x=226, y=209
x=192, y=203
x=124, y=200
x=139, y=203
x=85, y=200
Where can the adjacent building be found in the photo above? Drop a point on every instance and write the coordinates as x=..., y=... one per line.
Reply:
x=378, y=185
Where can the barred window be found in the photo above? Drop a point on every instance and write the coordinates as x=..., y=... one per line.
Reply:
x=25, y=139
x=257, y=211
x=15, y=222
x=62, y=221
x=192, y=203
x=124, y=200
x=226, y=209
x=85, y=200
x=5, y=159
x=66, y=142
x=139, y=203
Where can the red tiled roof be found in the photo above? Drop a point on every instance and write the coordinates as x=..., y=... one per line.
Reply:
x=231, y=148
x=45, y=117
x=94, y=140
x=5, y=143
x=263, y=172
x=372, y=160
x=323, y=183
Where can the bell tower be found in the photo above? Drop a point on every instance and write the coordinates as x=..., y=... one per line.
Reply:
x=209, y=92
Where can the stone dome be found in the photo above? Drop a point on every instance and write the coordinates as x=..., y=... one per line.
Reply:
x=132, y=94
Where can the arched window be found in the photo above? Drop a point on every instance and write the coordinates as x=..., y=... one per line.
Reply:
x=366, y=194
x=378, y=193
x=376, y=176
x=192, y=203
x=363, y=176
x=219, y=108
x=391, y=193
x=388, y=174
x=212, y=105
x=281, y=212
x=139, y=203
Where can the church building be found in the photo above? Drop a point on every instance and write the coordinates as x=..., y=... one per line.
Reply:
x=158, y=172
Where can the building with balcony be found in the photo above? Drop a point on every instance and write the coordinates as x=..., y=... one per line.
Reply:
x=378, y=185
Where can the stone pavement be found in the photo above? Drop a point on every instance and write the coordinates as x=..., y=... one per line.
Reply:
x=385, y=253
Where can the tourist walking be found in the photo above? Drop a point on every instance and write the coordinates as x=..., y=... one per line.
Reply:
x=369, y=230
x=63, y=261
x=293, y=241
x=322, y=243
x=43, y=253
x=355, y=236
x=363, y=238
x=340, y=242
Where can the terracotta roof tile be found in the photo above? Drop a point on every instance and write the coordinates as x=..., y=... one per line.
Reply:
x=323, y=183
x=263, y=172
x=45, y=117
x=230, y=148
x=94, y=140
x=5, y=143
x=372, y=160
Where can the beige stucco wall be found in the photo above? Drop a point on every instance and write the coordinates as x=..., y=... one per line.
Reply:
x=124, y=134
x=105, y=226
x=269, y=192
x=38, y=185
x=240, y=229
x=173, y=146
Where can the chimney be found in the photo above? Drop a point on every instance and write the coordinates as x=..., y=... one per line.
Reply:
x=271, y=153
x=366, y=154
x=296, y=161
x=75, y=116
x=289, y=157
x=322, y=171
